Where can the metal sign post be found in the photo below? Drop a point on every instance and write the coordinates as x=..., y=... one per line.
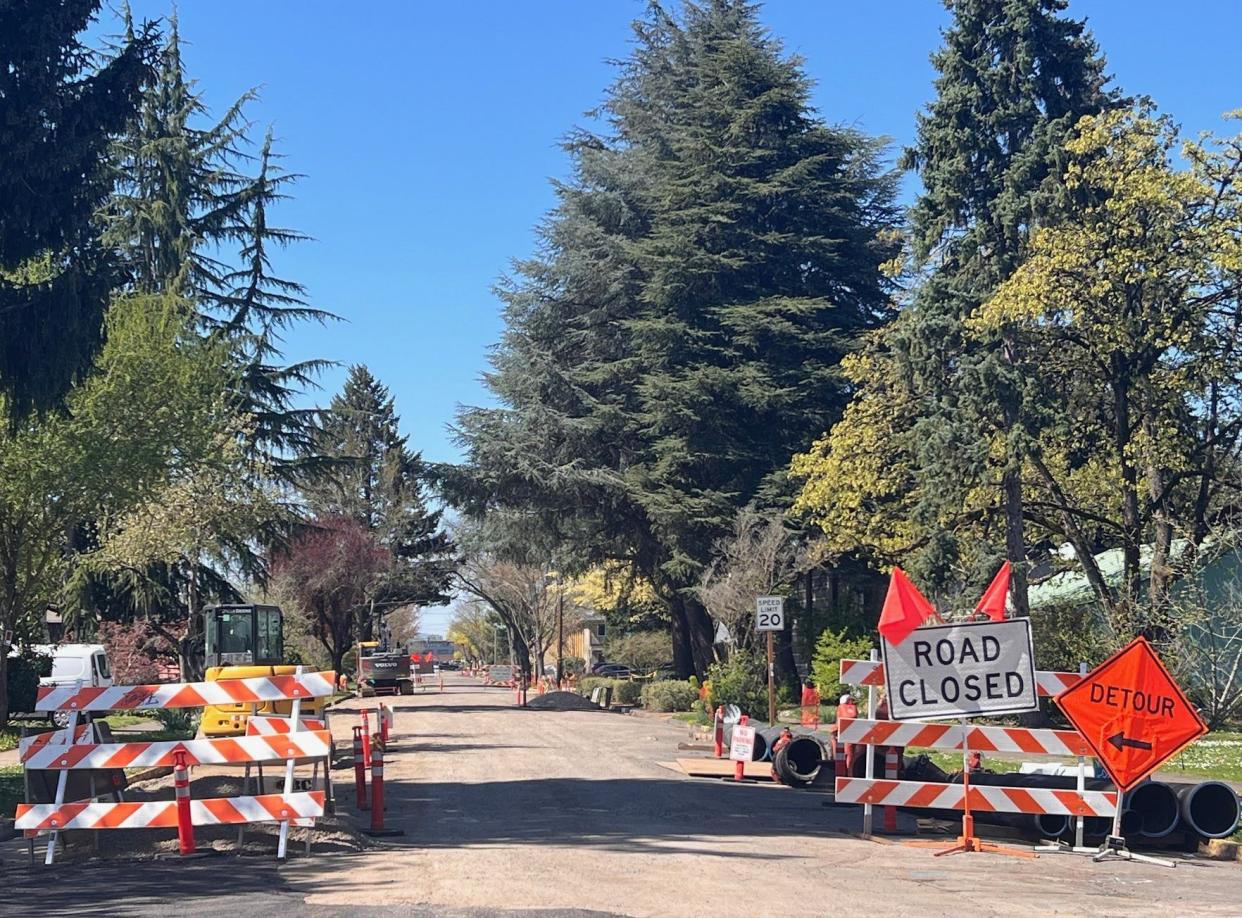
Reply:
x=770, y=617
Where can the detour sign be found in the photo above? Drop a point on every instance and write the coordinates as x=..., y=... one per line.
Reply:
x=1132, y=714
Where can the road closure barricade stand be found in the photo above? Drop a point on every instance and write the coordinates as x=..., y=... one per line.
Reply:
x=297, y=743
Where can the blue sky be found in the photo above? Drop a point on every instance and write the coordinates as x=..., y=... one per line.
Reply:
x=428, y=132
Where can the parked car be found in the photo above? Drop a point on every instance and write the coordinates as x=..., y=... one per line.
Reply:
x=613, y=671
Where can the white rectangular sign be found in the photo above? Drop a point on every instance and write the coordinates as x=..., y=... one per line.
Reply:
x=742, y=743
x=770, y=613
x=961, y=670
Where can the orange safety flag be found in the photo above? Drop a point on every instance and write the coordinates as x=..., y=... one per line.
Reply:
x=905, y=608
x=993, y=602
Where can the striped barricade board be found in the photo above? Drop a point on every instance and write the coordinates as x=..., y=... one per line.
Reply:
x=83, y=733
x=255, y=690
x=949, y=736
x=162, y=814
x=871, y=672
x=1032, y=800
x=235, y=750
x=262, y=725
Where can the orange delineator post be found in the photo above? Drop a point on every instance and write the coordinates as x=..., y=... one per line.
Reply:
x=441, y=683
x=360, y=772
x=366, y=740
x=381, y=714
x=185, y=823
x=718, y=723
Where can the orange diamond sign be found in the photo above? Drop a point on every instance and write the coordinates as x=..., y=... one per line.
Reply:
x=1132, y=714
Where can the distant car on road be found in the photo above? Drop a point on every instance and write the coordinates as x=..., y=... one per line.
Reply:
x=612, y=670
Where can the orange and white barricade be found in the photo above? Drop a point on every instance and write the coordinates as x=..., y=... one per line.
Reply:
x=1031, y=800
x=71, y=748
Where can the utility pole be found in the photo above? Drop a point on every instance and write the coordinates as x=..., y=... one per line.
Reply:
x=560, y=634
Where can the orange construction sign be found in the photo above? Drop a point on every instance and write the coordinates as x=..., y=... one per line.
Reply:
x=1132, y=714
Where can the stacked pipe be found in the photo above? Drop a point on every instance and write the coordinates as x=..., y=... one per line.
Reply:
x=1154, y=809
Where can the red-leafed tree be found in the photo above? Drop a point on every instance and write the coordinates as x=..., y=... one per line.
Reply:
x=329, y=571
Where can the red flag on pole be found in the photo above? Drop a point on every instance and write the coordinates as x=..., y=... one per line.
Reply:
x=905, y=608
x=993, y=602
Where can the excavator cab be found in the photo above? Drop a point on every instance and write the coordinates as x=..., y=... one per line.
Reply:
x=241, y=641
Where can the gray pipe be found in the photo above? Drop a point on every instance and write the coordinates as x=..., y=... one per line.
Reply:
x=1157, y=806
x=760, y=751
x=1209, y=809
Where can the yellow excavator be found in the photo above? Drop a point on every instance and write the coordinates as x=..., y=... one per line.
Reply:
x=240, y=641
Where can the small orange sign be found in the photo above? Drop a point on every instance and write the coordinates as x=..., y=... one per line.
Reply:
x=1132, y=714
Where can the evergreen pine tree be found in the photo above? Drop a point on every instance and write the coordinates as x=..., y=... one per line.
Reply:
x=58, y=113
x=378, y=482
x=1015, y=77
x=678, y=337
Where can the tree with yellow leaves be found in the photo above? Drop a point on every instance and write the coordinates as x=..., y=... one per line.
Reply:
x=1129, y=322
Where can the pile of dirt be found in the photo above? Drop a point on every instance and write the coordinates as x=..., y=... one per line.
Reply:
x=561, y=701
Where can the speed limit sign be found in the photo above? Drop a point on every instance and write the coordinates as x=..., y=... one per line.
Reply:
x=770, y=613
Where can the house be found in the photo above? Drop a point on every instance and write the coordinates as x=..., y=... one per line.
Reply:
x=587, y=643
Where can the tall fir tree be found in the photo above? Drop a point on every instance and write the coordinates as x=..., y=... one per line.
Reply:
x=60, y=108
x=378, y=482
x=677, y=338
x=1015, y=77
x=190, y=218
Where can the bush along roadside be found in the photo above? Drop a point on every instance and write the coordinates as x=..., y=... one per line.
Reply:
x=668, y=696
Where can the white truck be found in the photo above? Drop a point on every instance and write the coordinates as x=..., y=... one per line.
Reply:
x=74, y=664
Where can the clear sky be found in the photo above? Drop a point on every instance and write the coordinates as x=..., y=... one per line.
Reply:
x=427, y=133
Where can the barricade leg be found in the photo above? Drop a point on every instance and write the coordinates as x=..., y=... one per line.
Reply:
x=892, y=758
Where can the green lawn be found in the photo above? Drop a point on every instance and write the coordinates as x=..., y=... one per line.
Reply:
x=11, y=789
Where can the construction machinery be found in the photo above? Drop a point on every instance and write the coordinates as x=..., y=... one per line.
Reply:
x=383, y=670
x=241, y=641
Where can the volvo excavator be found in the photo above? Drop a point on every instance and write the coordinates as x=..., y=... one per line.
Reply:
x=240, y=641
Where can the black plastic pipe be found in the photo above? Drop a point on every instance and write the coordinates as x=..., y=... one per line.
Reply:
x=1209, y=809
x=1157, y=806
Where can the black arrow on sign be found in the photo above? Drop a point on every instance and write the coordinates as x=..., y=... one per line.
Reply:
x=1119, y=739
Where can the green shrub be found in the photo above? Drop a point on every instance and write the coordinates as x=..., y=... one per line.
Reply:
x=694, y=683
x=740, y=680
x=626, y=692
x=831, y=648
x=670, y=695
x=177, y=720
x=23, y=679
x=588, y=684
x=573, y=666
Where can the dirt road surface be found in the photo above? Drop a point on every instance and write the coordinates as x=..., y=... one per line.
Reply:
x=510, y=811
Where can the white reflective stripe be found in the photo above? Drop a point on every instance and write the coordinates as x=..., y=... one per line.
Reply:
x=256, y=689
x=949, y=796
x=306, y=744
x=949, y=736
x=82, y=734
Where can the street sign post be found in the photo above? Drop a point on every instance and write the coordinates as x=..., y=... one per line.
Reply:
x=1135, y=717
x=961, y=670
x=770, y=617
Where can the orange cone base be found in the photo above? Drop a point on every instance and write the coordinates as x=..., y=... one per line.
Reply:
x=966, y=843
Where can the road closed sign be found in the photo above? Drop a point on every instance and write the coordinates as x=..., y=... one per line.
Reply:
x=1132, y=714
x=961, y=670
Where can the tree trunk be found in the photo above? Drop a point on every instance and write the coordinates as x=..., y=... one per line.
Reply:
x=1015, y=540
x=786, y=665
x=1131, y=520
x=1011, y=485
x=4, y=680
x=683, y=655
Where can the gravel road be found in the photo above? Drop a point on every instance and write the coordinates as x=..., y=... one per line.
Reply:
x=550, y=813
